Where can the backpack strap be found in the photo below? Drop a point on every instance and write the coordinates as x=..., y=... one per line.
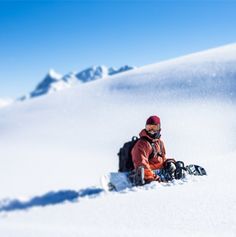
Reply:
x=161, y=148
x=154, y=150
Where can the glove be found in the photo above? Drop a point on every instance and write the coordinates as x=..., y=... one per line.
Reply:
x=154, y=178
x=157, y=178
x=151, y=176
x=169, y=160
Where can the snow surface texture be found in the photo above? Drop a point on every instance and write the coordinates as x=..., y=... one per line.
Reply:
x=55, y=148
x=5, y=102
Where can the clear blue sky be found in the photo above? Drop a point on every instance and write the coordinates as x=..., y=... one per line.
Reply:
x=72, y=35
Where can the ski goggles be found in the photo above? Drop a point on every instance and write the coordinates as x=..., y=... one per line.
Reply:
x=153, y=127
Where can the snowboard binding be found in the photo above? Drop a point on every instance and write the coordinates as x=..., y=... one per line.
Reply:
x=180, y=171
x=173, y=170
x=196, y=170
x=137, y=177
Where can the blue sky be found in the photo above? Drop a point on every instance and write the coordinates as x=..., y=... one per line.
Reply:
x=72, y=35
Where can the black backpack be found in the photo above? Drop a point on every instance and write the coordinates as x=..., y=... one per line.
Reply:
x=125, y=157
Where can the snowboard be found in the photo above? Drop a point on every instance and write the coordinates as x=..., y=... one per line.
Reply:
x=118, y=181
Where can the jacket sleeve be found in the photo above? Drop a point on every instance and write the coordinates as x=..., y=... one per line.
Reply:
x=140, y=154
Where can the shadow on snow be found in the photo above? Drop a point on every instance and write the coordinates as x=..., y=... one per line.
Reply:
x=50, y=198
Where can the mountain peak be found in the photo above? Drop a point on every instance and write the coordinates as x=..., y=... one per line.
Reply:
x=53, y=74
x=92, y=73
x=47, y=84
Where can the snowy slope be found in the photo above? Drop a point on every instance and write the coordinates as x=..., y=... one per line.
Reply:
x=5, y=102
x=208, y=73
x=56, y=147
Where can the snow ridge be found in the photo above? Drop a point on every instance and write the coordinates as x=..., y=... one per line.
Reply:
x=207, y=73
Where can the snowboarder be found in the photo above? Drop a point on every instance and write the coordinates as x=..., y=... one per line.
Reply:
x=143, y=160
x=149, y=152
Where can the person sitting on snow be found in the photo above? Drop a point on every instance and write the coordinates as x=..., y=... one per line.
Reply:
x=149, y=152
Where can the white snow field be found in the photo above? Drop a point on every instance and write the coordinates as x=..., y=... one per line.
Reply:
x=5, y=102
x=54, y=149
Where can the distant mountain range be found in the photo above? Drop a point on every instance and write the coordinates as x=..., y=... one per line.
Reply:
x=207, y=73
x=54, y=82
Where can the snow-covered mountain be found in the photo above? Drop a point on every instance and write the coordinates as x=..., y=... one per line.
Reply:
x=55, y=82
x=52, y=82
x=98, y=72
x=210, y=72
x=54, y=149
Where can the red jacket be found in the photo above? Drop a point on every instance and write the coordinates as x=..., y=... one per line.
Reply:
x=141, y=152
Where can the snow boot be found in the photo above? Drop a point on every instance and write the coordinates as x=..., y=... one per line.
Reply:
x=180, y=171
x=169, y=170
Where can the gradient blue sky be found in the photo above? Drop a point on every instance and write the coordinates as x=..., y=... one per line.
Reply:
x=72, y=35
